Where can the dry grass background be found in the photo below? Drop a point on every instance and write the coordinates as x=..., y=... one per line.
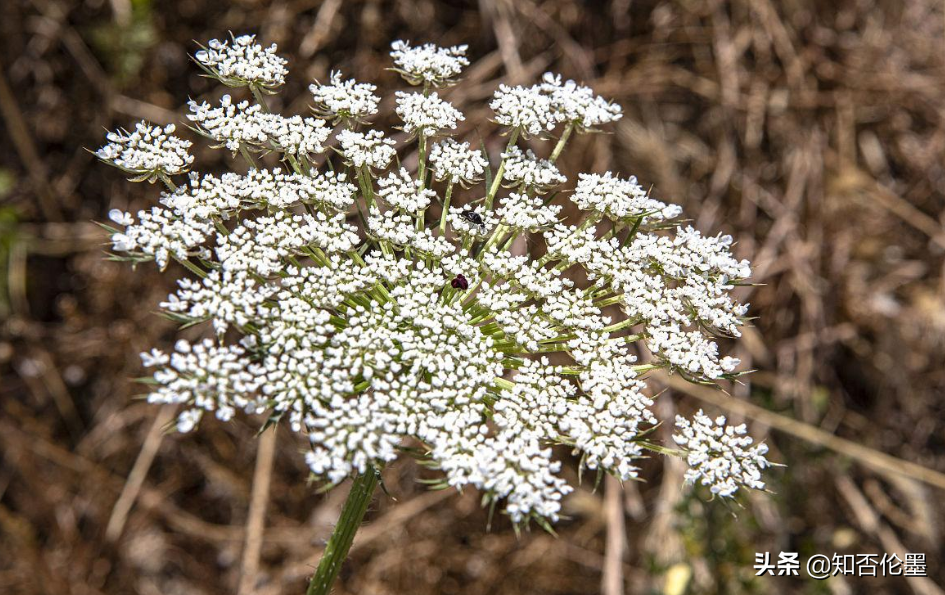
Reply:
x=812, y=131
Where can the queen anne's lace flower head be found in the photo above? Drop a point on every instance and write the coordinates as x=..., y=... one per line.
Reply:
x=426, y=114
x=369, y=149
x=526, y=169
x=456, y=162
x=577, y=104
x=242, y=62
x=148, y=152
x=525, y=109
x=243, y=125
x=404, y=193
x=720, y=456
x=344, y=100
x=428, y=64
x=364, y=305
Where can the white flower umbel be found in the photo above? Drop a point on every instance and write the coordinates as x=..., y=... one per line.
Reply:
x=453, y=161
x=527, y=213
x=344, y=100
x=619, y=199
x=577, y=104
x=428, y=64
x=353, y=302
x=203, y=377
x=524, y=109
x=147, y=153
x=246, y=126
x=720, y=456
x=242, y=62
x=369, y=149
x=527, y=170
x=401, y=191
x=426, y=114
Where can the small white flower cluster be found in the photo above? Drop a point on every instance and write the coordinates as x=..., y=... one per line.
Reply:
x=428, y=64
x=526, y=169
x=418, y=322
x=366, y=149
x=401, y=191
x=426, y=114
x=243, y=125
x=456, y=162
x=528, y=213
x=161, y=234
x=211, y=196
x=243, y=62
x=720, y=456
x=578, y=104
x=204, y=377
x=536, y=110
x=148, y=152
x=619, y=199
x=524, y=109
x=344, y=100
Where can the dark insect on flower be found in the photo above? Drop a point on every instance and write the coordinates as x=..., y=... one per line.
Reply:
x=474, y=218
x=460, y=282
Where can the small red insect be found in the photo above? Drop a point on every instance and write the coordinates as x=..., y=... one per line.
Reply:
x=460, y=282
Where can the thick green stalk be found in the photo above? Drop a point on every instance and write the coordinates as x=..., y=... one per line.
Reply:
x=168, y=182
x=362, y=491
x=446, y=207
x=513, y=136
x=249, y=158
x=260, y=99
x=561, y=142
x=422, y=163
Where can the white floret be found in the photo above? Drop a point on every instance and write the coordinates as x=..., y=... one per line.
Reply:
x=341, y=99
x=456, y=162
x=578, y=104
x=204, y=377
x=401, y=191
x=369, y=149
x=720, y=456
x=428, y=64
x=526, y=169
x=525, y=109
x=241, y=61
x=426, y=114
x=524, y=212
x=147, y=151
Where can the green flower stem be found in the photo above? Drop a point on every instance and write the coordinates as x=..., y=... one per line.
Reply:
x=446, y=207
x=294, y=163
x=513, y=136
x=192, y=267
x=561, y=142
x=503, y=384
x=633, y=232
x=259, y=98
x=497, y=234
x=610, y=301
x=367, y=189
x=249, y=158
x=422, y=164
x=362, y=492
x=168, y=182
x=619, y=326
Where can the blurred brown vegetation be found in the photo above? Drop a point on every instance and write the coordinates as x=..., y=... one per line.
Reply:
x=811, y=131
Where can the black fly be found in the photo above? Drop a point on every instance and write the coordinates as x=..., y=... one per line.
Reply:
x=474, y=218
